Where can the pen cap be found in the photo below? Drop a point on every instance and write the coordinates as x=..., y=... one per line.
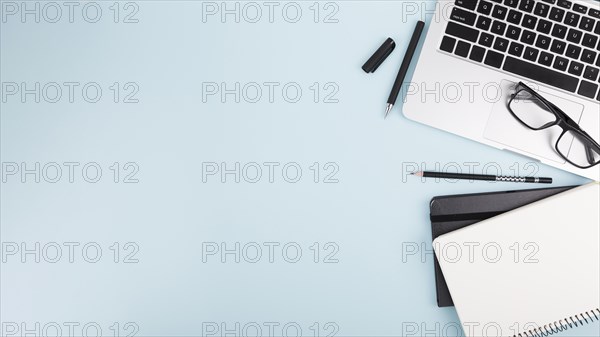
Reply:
x=379, y=56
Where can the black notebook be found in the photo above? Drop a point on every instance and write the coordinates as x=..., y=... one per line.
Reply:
x=452, y=212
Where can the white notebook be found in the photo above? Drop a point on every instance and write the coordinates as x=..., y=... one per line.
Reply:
x=528, y=272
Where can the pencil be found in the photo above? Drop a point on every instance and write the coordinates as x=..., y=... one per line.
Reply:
x=487, y=177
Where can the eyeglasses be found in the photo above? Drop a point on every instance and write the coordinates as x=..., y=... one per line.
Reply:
x=535, y=112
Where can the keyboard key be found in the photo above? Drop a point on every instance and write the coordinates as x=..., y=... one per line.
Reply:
x=558, y=47
x=543, y=42
x=561, y=63
x=448, y=44
x=463, y=16
x=594, y=13
x=462, y=32
x=468, y=4
x=501, y=44
x=514, y=17
x=575, y=68
x=589, y=40
x=559, y=31
x=557, y=14
x=498, y=27
x=528, y=37
x=572, y=19
x=587, y=89
x=565, y=3
x=477, y=53
x=462, y=49
x=597, y=30
x=574, y=35
x=494, y=59
x=526, y=5
x=485, y=7
x=552, y=2
x=580, y=9
x=541, y=9
x=546, y=59
x=541, y=74
x=529, y=21
x=498, y=1
x=588, y=56
x=591, y=73
x=516, y=49
x=499, y=12
x=573, y=51
x=483, y=23
x=598, y=61
x=511, y=3
x=486, y=39
x=544, y=26
x=531, y=54
x=513, y=32
x=587, y=24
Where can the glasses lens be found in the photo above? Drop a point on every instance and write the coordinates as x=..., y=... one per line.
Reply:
x=531, y=111
x=578, y=150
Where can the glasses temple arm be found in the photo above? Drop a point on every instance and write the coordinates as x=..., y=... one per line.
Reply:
x=589, y=153
x=591, y=147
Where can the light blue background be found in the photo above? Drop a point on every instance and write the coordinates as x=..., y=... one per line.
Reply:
x=369, y=213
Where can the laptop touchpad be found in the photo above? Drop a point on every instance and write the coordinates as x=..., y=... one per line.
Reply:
x=503, y=128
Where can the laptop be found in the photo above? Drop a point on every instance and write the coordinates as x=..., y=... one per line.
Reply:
x=477, y=51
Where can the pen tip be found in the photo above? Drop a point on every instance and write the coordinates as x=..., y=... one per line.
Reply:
x=388, y=108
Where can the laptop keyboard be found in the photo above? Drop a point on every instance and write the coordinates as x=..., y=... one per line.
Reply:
x=555, y=42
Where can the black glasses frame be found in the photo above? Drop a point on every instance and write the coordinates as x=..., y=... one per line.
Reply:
x=563, y=121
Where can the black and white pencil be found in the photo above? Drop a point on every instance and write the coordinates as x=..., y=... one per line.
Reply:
x=486, y=177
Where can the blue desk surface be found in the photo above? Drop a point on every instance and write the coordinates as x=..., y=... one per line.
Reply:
x=257, y=188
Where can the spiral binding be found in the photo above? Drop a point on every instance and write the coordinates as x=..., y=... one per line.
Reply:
x=563, y=324
x=511, y=179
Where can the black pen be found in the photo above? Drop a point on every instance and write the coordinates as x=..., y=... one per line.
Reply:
x=464, y=176
x=410, y=51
